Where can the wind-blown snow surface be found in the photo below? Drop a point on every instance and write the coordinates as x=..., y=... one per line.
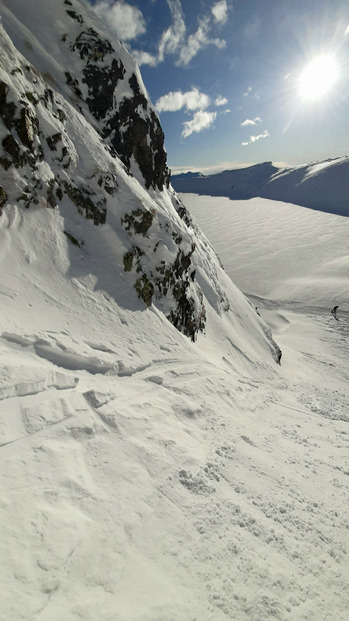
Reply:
x=278, y=250
x=144, y=477
x=323, y=186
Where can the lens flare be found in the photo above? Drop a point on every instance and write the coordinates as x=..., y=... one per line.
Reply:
x=317, y=79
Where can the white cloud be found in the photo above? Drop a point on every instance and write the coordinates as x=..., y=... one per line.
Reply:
x=144, y=58
x=255, y=138
x=201, y=120
x=125, y=20
x=346, y=32
x=176, y=100
x=264, y=135
x=173, y=37
x=251, y=121
x=220, y=11
x=175, y=40
x=220, y=101
x=197, y=41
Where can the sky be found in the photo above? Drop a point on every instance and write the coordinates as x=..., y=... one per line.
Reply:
x=237, y=82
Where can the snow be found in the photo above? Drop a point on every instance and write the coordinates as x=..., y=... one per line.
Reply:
x=145, y=477
x=323, y=186
x=278, y=250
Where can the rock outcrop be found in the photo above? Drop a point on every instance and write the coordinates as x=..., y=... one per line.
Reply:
x=45, y=161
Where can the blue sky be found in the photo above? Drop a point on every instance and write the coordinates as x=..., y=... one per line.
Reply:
x=225, y=77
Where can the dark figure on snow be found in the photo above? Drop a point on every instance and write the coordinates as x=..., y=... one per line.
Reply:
x=334, y=312
x=279, y=357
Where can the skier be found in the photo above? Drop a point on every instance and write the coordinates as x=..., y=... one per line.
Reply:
x=334, y=312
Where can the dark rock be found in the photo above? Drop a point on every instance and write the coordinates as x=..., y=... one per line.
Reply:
x=145, y=289
x=52, y=140
x=128, y=131
x=5, y=163
x=7, y=110
x=61, y=115
x=150, y=155
x=186, y=317
x=50, y=194
x=59, y=193
x=140, y=221
x=27, y=126
x=11, y=147
x=73, y=83
x=3, y=197
x=92, y=47
x=101, y=80
x=183, y=212
x=32, y=98
x=128, y=261
x=75, y=15
x=82, y=200
x=73, y=239
x=135, y=253
x=168, y=278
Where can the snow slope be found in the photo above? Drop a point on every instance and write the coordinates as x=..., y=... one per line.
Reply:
x=323, y=186
x=145, y=475
x=278, y=250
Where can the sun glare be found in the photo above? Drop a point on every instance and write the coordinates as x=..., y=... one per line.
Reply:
x=318, y=77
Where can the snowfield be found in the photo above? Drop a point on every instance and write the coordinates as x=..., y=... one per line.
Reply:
x=277, y=250
x=148, y=478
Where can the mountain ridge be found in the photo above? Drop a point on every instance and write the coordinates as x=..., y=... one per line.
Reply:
x=323, y=185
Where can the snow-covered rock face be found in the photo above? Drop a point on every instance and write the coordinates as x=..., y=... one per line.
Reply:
x=101, y=79
x=78, y=134
x=128, y=122
x=44, y=159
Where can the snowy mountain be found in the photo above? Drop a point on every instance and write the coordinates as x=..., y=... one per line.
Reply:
x=88, y=141
x=323, y=186
x=156, y=464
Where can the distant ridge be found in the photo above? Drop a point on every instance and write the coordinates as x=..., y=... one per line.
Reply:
x=187, y=175
x=322, y=185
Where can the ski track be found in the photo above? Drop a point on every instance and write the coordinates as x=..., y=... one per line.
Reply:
x=255, y=493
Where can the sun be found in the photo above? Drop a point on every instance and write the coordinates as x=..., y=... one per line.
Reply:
x=317, y=79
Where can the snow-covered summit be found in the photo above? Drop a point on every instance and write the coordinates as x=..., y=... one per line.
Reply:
x=323, y=185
